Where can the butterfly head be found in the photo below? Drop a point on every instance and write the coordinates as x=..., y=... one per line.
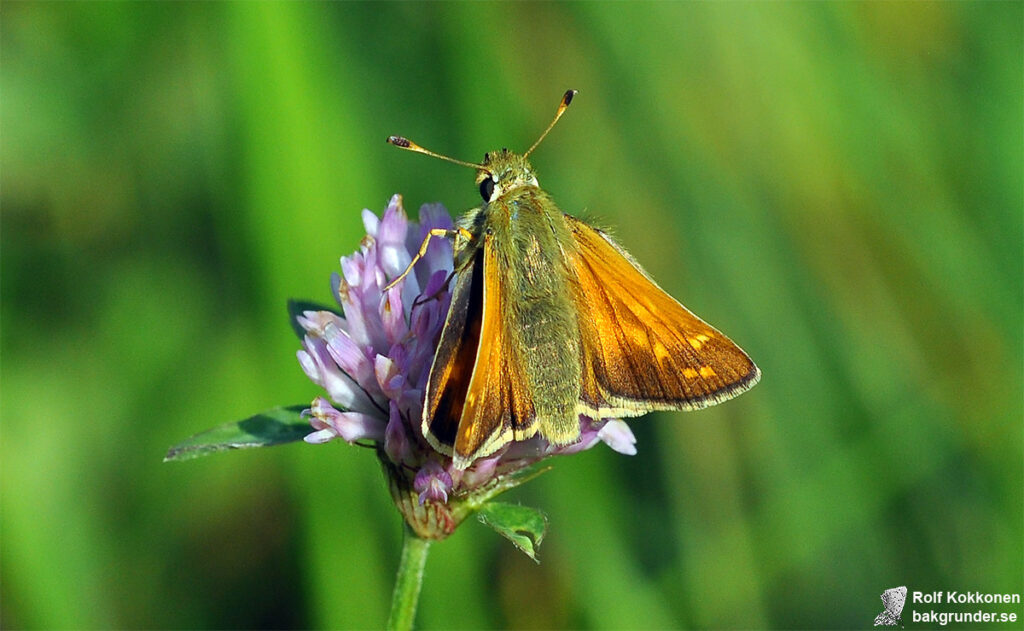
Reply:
x=501, y=172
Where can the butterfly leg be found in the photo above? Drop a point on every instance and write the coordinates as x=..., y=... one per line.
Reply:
x=443, y=288
x=436, y=232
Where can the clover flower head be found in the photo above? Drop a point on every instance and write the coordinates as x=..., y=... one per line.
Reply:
x=373, y=360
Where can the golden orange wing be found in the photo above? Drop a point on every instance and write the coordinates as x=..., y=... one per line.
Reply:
x=453, y=361
x=477, y=400
x=643, y=350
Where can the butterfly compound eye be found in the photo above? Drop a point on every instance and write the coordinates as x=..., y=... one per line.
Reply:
x=487, y=189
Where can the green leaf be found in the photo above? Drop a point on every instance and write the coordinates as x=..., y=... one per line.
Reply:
x=275, y=426
x=525, y=527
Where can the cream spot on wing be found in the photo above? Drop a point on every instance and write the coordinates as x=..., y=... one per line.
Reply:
x=697, y=341
x=689, y=373
x=661, y=352
x=706, y=371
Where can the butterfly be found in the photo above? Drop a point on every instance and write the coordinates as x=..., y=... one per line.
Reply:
x=551, y=319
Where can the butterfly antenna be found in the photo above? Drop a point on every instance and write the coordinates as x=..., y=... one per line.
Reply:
x=564, y=105
x=408, y=145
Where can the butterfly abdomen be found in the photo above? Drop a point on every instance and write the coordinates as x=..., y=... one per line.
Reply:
x=549, y=353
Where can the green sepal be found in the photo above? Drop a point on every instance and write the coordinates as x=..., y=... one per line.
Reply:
x=275, y=426
x=524, y=526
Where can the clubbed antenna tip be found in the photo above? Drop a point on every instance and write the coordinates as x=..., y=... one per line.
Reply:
x=562, y=106
x=398, y=141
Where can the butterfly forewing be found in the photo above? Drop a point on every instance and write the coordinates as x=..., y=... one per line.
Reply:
x=486, y=422
x=481, y=403
x=456, y=353
x=643, y=350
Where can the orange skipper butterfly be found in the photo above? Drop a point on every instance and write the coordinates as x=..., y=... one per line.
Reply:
x=551, y=319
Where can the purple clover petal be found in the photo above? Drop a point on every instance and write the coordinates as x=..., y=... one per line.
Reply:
x=432, y=292
x=352, y=268
x=317, y=321
x=353, y=426
x=348, y=356
x=370, y=222
x=390, y=378
x=318, y=365
x=586, y=441
x=392, y=316
x=363, y=302
x=396, y=441
x=394, y=226
x=372, y=276
x=434, y=216
x=322, y=436
x=400, y=356
x=310, y=367
x=432, y=482
x=338, y=288
x=352, y=307
x=350, y=426
x=439, y=252
x=481, y=472
x=617, y=435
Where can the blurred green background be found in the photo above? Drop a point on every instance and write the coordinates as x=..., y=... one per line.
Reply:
x=837, y=186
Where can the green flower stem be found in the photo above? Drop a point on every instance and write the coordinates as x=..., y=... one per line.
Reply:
x=408, y=581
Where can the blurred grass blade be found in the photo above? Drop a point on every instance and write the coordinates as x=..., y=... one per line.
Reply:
x=525, y=527
x=275, y=426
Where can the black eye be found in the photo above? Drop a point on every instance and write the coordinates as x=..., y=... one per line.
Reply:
x=487, y=189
